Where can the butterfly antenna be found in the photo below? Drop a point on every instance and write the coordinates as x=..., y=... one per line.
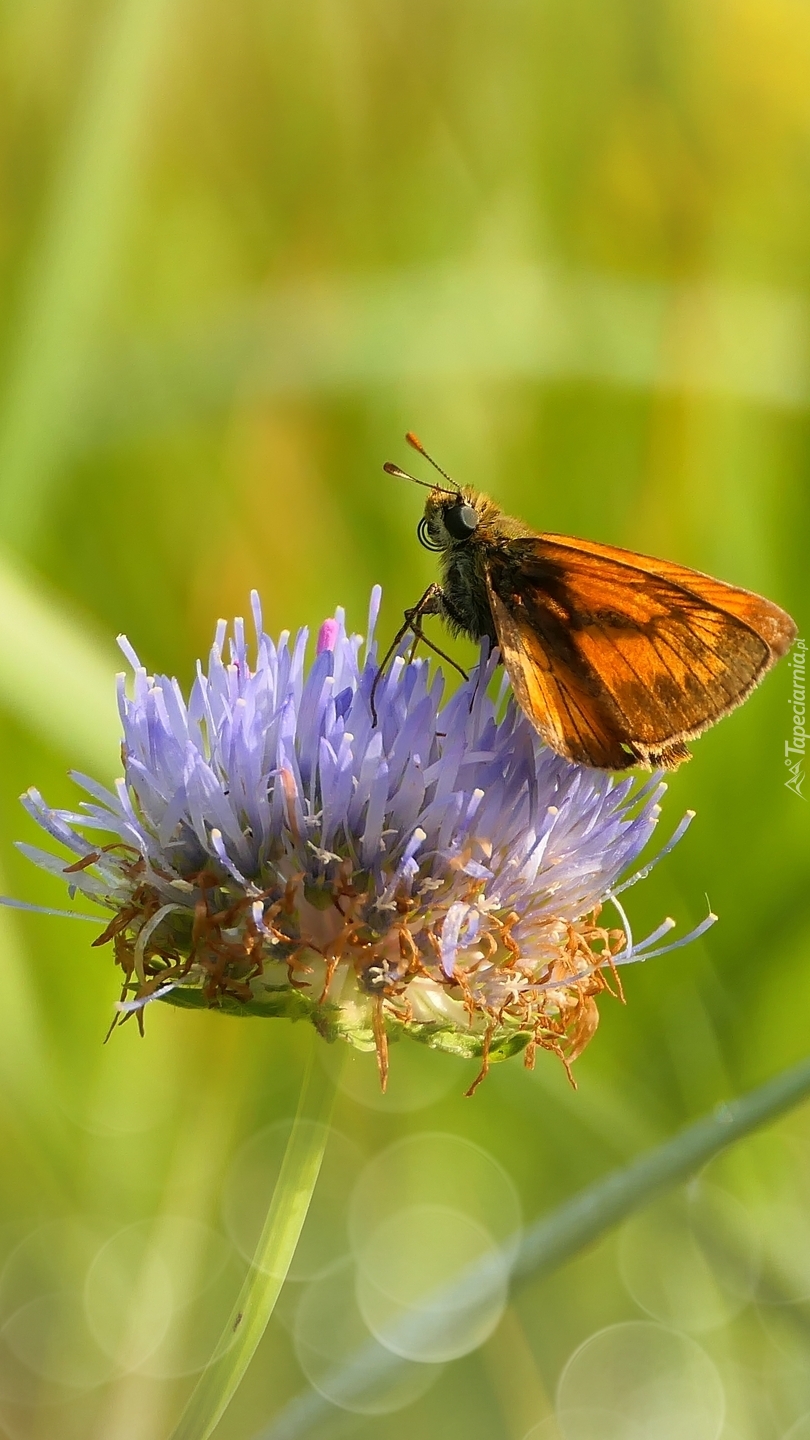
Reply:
x=391, y=469
x=416, y=444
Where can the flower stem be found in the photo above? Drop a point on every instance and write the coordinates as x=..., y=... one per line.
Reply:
x=556, y=1238
x=257, y=1298
x=553, y=1240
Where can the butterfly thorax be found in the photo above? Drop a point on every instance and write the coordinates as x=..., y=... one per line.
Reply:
x=463, y=561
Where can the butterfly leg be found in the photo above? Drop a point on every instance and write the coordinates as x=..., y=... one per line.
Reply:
x=431, y=603
x=419, y=634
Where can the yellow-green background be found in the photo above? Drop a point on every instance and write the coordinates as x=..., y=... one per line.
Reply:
x=243, y=247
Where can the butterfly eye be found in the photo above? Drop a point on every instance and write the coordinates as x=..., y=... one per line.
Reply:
x=424, y=535
x=460, y=521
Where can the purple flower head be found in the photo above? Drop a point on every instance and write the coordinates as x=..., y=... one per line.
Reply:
x=271, y=850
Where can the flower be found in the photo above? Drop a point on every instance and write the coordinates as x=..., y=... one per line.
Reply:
x=270, y=850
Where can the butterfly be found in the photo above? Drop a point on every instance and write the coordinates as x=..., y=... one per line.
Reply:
x=617, y=659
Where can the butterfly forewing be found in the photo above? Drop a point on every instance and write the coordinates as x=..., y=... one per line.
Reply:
x=555, y=690
x=617, y=657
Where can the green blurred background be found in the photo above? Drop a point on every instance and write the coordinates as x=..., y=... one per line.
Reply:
x=243, y=248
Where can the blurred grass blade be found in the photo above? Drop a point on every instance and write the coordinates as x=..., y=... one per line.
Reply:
x=257, y=1298
x=55, y=679
x=71, y=270
x=552, y=1241
x=472, y=321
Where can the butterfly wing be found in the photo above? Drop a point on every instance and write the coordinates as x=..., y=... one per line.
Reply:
x=618, y=658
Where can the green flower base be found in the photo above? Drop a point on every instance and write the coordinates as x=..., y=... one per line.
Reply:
x=333, y=1024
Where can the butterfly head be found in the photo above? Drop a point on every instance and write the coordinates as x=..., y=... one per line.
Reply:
x=453, y=513
x=449, y=519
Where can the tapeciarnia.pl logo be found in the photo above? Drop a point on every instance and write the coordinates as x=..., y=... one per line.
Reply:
x=796, y=747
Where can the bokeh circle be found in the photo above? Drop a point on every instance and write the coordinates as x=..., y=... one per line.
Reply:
x=44, y=1332
x=640, y=1381
x=156, y=1292
x=432, y=1283
x=434, y=1168
x=340, y=1357
x=691, y=1259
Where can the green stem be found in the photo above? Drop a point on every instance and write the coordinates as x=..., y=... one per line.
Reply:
x=553, y=1240
x=577, y=1223
x=257, y=1298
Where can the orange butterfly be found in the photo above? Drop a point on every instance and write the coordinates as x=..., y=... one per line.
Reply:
x=617, y=659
